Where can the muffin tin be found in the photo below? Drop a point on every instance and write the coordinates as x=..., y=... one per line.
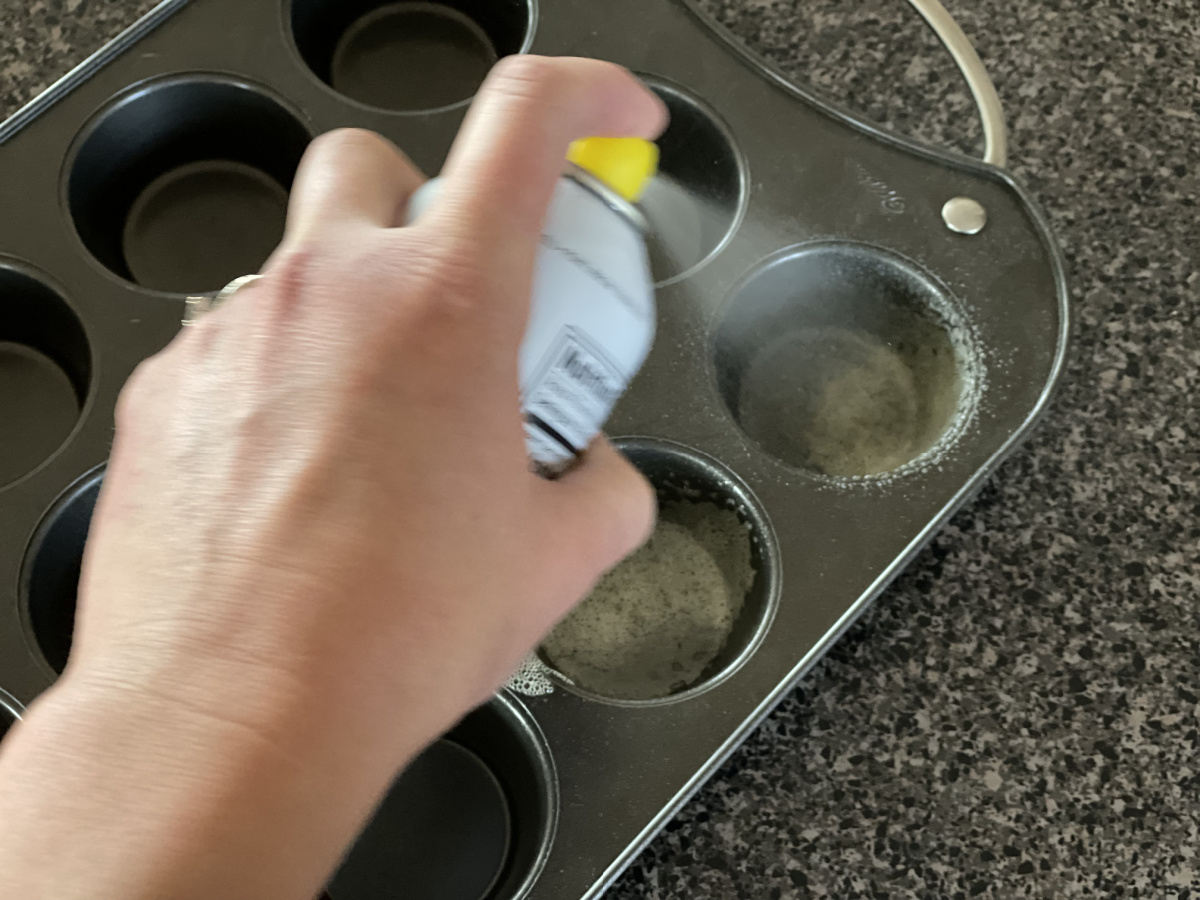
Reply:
x=836, y=360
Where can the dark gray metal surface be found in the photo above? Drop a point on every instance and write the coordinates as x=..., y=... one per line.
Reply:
x=803, y=173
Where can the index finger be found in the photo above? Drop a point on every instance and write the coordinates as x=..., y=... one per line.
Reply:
x=505, y=164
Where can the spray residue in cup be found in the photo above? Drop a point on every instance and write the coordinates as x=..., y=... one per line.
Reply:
x=657, y=623
x=591, y=317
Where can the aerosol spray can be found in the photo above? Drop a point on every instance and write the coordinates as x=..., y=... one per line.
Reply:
x=592, y=317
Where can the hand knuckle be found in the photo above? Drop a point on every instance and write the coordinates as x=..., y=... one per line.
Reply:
x=453, y=281
x=350, y=140
x=534, y=79
x=288, y=280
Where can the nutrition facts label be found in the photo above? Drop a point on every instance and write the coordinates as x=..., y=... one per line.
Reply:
x=571, y=394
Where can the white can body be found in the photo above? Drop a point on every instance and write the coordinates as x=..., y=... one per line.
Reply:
x=591, y=320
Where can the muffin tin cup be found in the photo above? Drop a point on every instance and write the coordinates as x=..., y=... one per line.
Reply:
x=691, y=489
x=45, y=370
x=472, y=818
x=698, y=198
x=847, y=361
x=50, y=575
x=181, y=184
x=409, y=56
x=790, y=242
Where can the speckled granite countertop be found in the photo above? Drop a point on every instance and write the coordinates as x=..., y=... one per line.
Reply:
x=1018, y=716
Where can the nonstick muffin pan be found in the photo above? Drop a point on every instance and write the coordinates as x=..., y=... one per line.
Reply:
x=834, y=363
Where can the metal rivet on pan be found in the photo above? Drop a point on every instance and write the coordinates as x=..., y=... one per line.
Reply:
x=964, y=215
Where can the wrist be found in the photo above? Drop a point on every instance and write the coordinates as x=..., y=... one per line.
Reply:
x=135, y=787
x=156, y=797
x=293, y=698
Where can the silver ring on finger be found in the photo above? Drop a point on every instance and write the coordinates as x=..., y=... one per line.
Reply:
x=196, y=307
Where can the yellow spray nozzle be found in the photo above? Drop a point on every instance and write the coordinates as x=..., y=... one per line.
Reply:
x=624, y=164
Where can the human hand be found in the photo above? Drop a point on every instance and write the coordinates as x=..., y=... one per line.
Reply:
x=318, y=533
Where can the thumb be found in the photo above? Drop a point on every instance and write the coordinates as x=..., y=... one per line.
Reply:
x=600, y=512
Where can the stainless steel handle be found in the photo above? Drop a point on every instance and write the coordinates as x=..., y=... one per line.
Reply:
x=995, y=135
